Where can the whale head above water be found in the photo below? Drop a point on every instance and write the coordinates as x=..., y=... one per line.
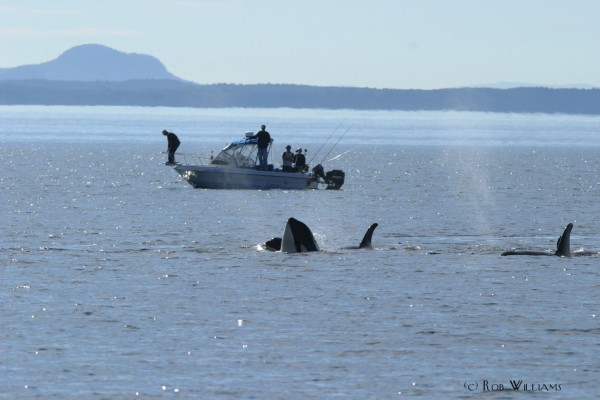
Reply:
x=298, y=238
x=563, y=247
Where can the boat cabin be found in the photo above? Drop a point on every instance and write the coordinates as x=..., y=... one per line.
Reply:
x=240, y=154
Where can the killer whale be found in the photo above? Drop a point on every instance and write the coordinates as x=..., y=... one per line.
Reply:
x=298, y=238
x=366, y=241
x=563, y=247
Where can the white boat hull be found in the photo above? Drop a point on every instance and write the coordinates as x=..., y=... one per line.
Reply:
x=216, y=177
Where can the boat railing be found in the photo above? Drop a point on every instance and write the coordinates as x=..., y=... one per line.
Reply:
x=193, y=159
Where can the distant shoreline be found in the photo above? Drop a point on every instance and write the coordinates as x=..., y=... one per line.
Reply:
x=176, y=93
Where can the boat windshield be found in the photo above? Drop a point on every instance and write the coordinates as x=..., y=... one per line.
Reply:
x=241, y=154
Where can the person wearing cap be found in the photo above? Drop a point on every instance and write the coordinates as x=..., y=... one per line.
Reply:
x=288, y=159
x=172, y=145
x=299, y=160
x=264, y=139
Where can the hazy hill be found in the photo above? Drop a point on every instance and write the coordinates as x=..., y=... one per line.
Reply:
x=91, y=62
x=174, y=93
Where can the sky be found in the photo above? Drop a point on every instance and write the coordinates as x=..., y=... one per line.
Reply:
x=397, y=44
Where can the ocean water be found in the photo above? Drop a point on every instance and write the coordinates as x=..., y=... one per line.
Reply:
x=119, y=280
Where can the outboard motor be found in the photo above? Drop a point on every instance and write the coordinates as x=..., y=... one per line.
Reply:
x=335, y=179
x=319, y=172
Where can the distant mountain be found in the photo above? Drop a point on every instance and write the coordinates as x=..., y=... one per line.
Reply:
x=98, y=75
x=91, y=62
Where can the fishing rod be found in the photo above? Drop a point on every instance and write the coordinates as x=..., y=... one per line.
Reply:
x=335, y=144
x=330, y=135
x=338, y=156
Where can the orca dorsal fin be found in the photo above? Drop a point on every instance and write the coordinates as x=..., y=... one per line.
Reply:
x=366, y=242
x=563, y=244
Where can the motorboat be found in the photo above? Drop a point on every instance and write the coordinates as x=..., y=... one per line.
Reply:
x=236, y=167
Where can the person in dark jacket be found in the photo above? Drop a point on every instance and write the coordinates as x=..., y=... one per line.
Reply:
x=300, y=160
x=173, y=144
x=264, y=139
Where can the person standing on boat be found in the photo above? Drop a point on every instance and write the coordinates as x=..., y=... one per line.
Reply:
x=299, y=160
x=173, y=144
x=264, y=139
x=288, y=160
